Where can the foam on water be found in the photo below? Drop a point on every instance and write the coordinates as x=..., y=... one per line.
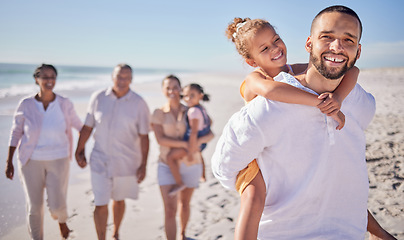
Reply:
x=17, y=80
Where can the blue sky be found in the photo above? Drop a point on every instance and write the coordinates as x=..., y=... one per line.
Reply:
x=178, y=34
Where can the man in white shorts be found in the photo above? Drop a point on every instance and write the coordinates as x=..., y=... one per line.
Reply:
x=121, y=122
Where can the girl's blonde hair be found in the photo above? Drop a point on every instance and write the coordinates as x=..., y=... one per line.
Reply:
x=241, y=30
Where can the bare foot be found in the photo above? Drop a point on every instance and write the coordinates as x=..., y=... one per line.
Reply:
x=64, y=230
x=115, y=237
x=176, y=189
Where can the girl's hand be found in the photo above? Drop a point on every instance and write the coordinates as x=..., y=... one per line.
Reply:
x=191, y=151
x=192, y=148
x=340, y=118
x=330, y=105
x=190, y=156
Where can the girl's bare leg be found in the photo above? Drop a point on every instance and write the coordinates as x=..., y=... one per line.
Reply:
x=251, y=207
x=172, y=161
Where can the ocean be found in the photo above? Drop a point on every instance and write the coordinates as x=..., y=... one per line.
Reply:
x=16, y=81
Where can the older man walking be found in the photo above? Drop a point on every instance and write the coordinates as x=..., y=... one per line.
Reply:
x=120, y=120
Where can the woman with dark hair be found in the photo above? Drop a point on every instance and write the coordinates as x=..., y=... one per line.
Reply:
x=42, y=132
x=169, y=126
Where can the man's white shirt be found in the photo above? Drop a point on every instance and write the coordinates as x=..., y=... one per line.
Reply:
x=316, y=176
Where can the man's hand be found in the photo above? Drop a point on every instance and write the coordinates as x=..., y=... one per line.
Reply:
x=81, y=158
x=141, y=173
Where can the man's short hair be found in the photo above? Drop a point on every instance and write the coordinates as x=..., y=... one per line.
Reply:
x=340, y=9
x=124, y=65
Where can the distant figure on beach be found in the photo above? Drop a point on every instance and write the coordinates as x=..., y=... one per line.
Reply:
x=121, y=122
x=42, y=132
x=169, y=126
x=315, y=178
x=198, y=125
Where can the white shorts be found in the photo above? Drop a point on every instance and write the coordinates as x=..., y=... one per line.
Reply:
x=190, y=175
x=115, y=188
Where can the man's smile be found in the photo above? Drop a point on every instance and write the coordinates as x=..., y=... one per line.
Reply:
x=334, y=59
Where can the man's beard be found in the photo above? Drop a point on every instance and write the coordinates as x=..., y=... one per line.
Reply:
x=331, y=73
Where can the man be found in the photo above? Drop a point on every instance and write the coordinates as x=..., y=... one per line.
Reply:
x=316, y=177
x=118, y=160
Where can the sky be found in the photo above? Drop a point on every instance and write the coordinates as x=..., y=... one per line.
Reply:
x=183, y=34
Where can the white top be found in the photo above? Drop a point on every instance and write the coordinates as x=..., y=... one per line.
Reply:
x=117, y=124
x=52, y=143
x=317, y=183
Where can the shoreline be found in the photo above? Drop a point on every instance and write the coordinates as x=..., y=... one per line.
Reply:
x=214, y=209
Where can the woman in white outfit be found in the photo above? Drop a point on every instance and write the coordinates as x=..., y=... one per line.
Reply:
x=42, y=133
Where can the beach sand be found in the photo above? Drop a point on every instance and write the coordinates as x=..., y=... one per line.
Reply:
x=214, y=209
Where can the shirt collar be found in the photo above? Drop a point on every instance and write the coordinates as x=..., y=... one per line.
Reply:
x=110, y=93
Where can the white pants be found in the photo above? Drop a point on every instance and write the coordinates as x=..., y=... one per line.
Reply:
x=37, y=176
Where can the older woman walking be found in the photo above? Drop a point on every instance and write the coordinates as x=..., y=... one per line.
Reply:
x=42, y=133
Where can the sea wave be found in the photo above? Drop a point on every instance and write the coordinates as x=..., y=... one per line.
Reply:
x=69, y=83
x=17, y=79
x=61, y=85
